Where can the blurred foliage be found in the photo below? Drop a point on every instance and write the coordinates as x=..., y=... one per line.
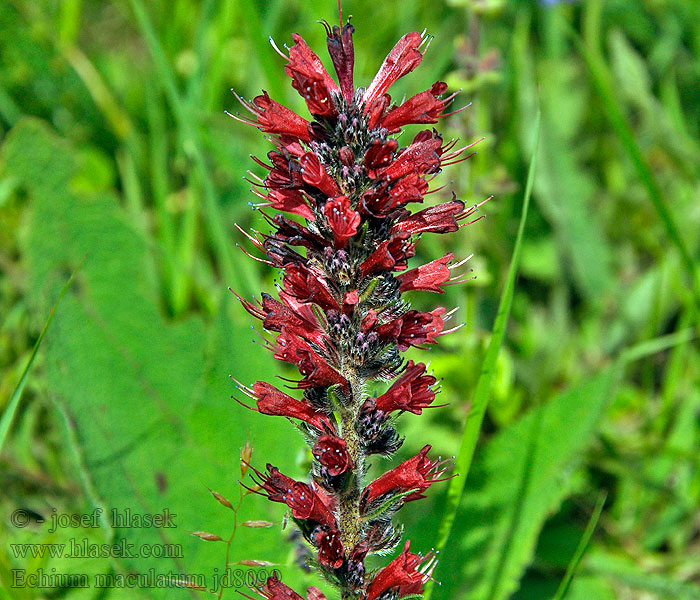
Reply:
x=114, y=146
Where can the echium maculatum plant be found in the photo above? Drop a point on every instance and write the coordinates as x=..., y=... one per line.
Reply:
x=341, y=318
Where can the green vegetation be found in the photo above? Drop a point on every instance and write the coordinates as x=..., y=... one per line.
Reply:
x=119, y=168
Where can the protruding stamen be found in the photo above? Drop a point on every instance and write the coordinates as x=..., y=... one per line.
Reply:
x=282, y=54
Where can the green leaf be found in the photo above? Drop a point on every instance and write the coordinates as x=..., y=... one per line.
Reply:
x=483, y=386
x=517, y=481
x=146, y=401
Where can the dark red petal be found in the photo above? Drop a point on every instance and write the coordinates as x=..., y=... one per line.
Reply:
x=403, y=58
x=342, y=220
x=310, y=79
x=273, y=117
x=274, y=589
x=342, y=52
x=436, y=219
x=314, y=173
x=271, y=401
x=428, y=277
x=421, y=108
x=331, y=452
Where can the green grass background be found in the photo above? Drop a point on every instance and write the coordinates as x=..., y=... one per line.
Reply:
x=116, y=160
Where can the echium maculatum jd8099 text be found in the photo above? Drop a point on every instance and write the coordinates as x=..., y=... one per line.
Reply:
x=340, y=318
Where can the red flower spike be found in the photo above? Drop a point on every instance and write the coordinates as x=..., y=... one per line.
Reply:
x=408, y=572
x=340, y=317
x=428, y=277
x=403, y=58
x=412, y=392
x=342, y=220
x=332, y=453
x=416, y=473
x=310, y=79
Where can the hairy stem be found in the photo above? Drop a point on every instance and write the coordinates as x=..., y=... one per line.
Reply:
x=349, y=520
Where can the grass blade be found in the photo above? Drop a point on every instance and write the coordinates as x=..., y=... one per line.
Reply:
x=9, y=414
x=483, y=386
x=239, y=275
x=602, y=83
x=581, y=549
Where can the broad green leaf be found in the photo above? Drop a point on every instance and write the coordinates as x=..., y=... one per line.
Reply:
x=146, y=401
x=518, y=480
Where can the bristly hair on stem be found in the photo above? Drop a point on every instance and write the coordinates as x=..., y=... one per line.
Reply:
x=340, y=316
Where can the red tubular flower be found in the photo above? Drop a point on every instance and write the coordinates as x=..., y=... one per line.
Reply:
x=272, y=117
x=420, y=157
x=316, y=371
x=411, y=392
x=275, y=315
x=414, y=328
x=408, y=572
x=271, y=401
x=313, y=173
x=380, y=154
x=330, y=548
x=428, y=277
x=313, y=593
x=391, y=255
x=410, y=188
x=298, y=496
x=403, y=58
x=306, y=284
x=274, y=589
x=436, y=219
x=342, y=52
x=310, y=79
x=416, y=473
x=288, y=200
x=332, y=453
x=342, y=220
x=421, y=108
